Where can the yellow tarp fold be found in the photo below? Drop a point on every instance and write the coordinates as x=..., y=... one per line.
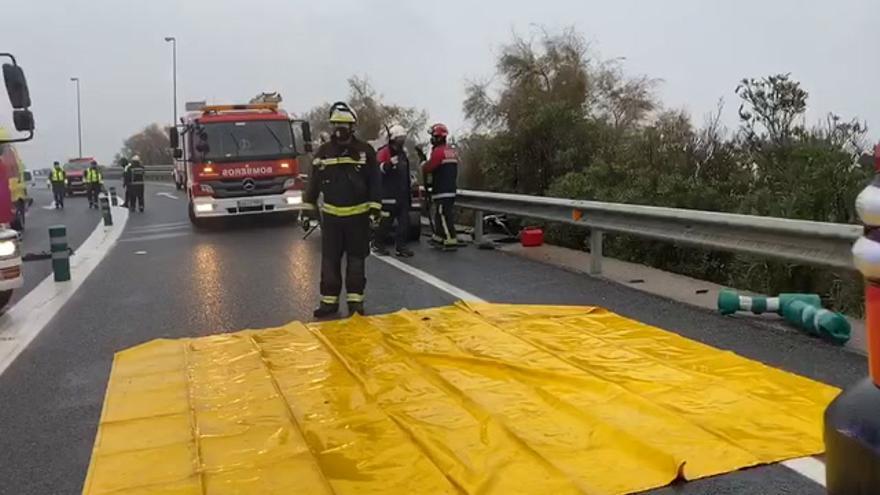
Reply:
x=471, y=398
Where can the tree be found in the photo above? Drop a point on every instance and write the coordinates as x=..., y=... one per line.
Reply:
x=373, y=113
x=151, y=144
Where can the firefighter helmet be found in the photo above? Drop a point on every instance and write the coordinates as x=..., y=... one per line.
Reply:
x=341, y=113
x=439, y=130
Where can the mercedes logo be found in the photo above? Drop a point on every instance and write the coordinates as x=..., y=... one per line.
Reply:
x=248, y=185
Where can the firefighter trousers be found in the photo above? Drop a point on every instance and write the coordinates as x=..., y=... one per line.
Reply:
x=390, y=213
x=349, y=236
x=444, y=220
x=135, y=196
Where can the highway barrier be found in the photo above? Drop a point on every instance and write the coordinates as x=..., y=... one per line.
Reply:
x=815, y=243
x=470, y=398
x=154, y=173
x=60, y=253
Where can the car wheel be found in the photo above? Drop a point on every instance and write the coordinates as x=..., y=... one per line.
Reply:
x=18, y=221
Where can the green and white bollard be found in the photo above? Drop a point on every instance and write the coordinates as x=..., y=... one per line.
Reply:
x=114, y=200
x=730, y=302
x=817, y=321
x=105, y=209
x=60, y=253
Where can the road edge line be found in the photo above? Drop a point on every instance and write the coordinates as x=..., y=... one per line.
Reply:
x=808, y=467
x=21, y=324
x=430, y=279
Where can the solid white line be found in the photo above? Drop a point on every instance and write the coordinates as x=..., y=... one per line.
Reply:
x=27, y=318
x=809, y=467
x=430, y=279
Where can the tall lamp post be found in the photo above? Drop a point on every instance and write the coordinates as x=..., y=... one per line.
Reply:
x=173, y=41
x=79, y=131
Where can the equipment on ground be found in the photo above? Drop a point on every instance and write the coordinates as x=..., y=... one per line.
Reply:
x=241, y=159
x=803, y=311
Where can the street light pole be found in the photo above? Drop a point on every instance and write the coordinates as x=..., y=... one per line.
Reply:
x=173, y=42
x=79, y=131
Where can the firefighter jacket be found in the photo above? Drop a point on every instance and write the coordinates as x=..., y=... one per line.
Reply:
x=348, y=176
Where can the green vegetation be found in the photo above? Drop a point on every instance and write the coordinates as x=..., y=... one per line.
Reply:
x=558, y=122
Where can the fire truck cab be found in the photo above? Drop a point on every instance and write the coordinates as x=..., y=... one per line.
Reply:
x=241, y=159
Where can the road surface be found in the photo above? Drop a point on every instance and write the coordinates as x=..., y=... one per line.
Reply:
x=165, y=279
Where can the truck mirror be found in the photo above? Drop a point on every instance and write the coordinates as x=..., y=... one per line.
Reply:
x=23, y=119
x=16, y=86
x=174, y=137
x=307, y=136
x=178, y=153
x=202, y=147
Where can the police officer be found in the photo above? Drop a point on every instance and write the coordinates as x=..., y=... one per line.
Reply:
x=344, y=170
x=94, y=182
x=441, y=171
x=134, y=179
x=58, y=178
x=394, y=166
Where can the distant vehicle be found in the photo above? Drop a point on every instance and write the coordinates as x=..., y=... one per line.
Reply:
x=241, y=160
x=75, y=169
x=12, y=190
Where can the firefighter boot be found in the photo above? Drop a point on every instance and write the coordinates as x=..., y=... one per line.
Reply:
x=355, y=308
x=325, y=309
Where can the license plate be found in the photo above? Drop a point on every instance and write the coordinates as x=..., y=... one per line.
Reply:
x=250, y=203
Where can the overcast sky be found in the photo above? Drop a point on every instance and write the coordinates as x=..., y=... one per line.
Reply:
x=415, y=53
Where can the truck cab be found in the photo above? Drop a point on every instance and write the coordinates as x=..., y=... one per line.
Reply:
x=241, y=160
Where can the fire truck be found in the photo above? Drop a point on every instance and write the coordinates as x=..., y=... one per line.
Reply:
x=241, y=159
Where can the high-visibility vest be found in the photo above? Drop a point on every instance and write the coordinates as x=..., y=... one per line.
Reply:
x=57, y=175
x=92, y=176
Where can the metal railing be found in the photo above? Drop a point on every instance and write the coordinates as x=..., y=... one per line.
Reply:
x=815, y=243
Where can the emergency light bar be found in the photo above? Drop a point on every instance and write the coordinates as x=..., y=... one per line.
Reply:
x=249, y=106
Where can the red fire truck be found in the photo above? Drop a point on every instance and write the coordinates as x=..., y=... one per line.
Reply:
x=241, y=160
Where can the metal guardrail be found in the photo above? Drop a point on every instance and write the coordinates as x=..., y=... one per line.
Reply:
x=815, y=243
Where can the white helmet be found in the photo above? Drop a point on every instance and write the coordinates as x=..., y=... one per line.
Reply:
x=136, y=158
x=396, y=131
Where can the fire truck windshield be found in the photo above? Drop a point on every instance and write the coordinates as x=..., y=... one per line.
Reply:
x=253, y=139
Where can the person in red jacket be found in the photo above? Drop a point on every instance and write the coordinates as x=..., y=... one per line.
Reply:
x=394, y=166
x=441, y=170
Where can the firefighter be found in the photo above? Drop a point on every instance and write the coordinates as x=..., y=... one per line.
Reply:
x=441, y=171
x=134, y=178
x=344, y=170
x=94, y=183
x=58, y=178
x=394, y=167
x=123, y=162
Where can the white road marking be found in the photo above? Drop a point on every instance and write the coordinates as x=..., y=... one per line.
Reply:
x=27, y=318
x=159, y=226
x=430, y=279
x=140, y=253
x=808, y=467
x=166, y=195
x=49, y=207
x=155, y=237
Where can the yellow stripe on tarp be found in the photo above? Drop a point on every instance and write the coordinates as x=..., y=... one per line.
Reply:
x=471, y=398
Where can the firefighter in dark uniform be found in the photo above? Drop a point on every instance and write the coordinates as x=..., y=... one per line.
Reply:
x=345, y=171
x=134, y=178
x=396, y=193
x=58, y=179
x=94, y=182
x=123, y=162
x=441, y=171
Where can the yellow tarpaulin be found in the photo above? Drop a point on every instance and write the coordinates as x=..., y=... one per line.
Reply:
x=471, y=398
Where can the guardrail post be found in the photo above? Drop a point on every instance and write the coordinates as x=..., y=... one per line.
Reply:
x=60, y=254
x=114, y=200
x=596, y=236
x=478, y=227
x=105, y=210
x=852, y=425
